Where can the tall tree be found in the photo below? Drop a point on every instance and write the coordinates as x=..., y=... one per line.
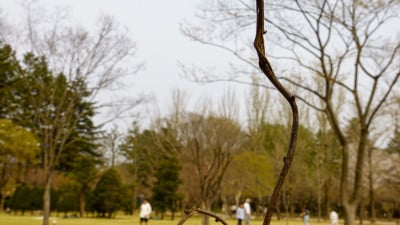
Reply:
x=141, y=148
x=349, y=46
x=209, y=144
x=56, y=114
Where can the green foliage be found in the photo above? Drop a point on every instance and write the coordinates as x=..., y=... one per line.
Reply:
x=18, y=147
x=139, y=147
x=84, y=170
x=81, y=141
x=27, y=198
x=9, y=73
x=107, y=194
x=16, y=143
x=68, y=197
x=145, y=149
x=251, y=173
x=21, y=199
x=127, y=198
x=42, y=100
x=165, y=189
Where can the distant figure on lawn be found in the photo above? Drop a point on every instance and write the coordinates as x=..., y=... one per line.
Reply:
x=334, y=217
x=305, y=215
x=145, y=210
x=240, y=214
x=247, y=210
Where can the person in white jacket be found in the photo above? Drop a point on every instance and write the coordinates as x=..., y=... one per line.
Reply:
x=247, y=210
x=334, y=217
x=145, y=210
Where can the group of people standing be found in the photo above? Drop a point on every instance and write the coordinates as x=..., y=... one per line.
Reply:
x=333, y=216
x=243, y=213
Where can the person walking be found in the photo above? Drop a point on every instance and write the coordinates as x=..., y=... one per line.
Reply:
x=334, y=217
x=240, y=214
x=145, y=211
x=247, y=211
x=305, y=215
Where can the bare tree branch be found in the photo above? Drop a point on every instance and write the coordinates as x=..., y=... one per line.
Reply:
x=268, y=71
x=194, y=211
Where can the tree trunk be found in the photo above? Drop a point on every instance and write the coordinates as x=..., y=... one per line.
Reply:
x=371, y=187
x=3, y=183
x=46, y=197
x=3, y=199
x=238, y=194
x=319, y=196
x=372, y=206
x=350, y=213
x=361, y=208
x=351, y=197
x=205, y=219
x=82, y=203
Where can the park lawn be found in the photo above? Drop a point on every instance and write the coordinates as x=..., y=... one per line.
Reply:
x=6, y=219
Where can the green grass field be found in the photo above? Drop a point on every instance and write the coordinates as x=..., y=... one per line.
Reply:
x=6, y=219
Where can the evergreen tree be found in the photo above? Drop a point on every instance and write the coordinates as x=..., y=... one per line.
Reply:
x=84, y=173
x=165, y=196
x=21, y=199
x=9, y=80
x=107, y=194
x=68, y=199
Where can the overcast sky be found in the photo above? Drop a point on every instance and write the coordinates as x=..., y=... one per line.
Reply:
x=154, y=25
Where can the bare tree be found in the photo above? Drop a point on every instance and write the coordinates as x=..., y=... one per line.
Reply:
x=349, y=46
x=111, y=142
x=209, y=144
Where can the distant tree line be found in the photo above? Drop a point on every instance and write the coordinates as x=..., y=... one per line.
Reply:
x=108, y=197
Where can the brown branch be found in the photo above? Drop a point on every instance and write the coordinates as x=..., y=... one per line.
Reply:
x=269, y=73
x=193, y=211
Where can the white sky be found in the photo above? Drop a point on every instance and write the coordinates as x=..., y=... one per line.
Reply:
x=154, y=25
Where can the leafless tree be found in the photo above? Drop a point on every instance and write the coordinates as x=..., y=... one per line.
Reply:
x=111, y=141
x=209, y=143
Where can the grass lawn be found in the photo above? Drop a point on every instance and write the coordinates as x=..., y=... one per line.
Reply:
x=6, y=219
